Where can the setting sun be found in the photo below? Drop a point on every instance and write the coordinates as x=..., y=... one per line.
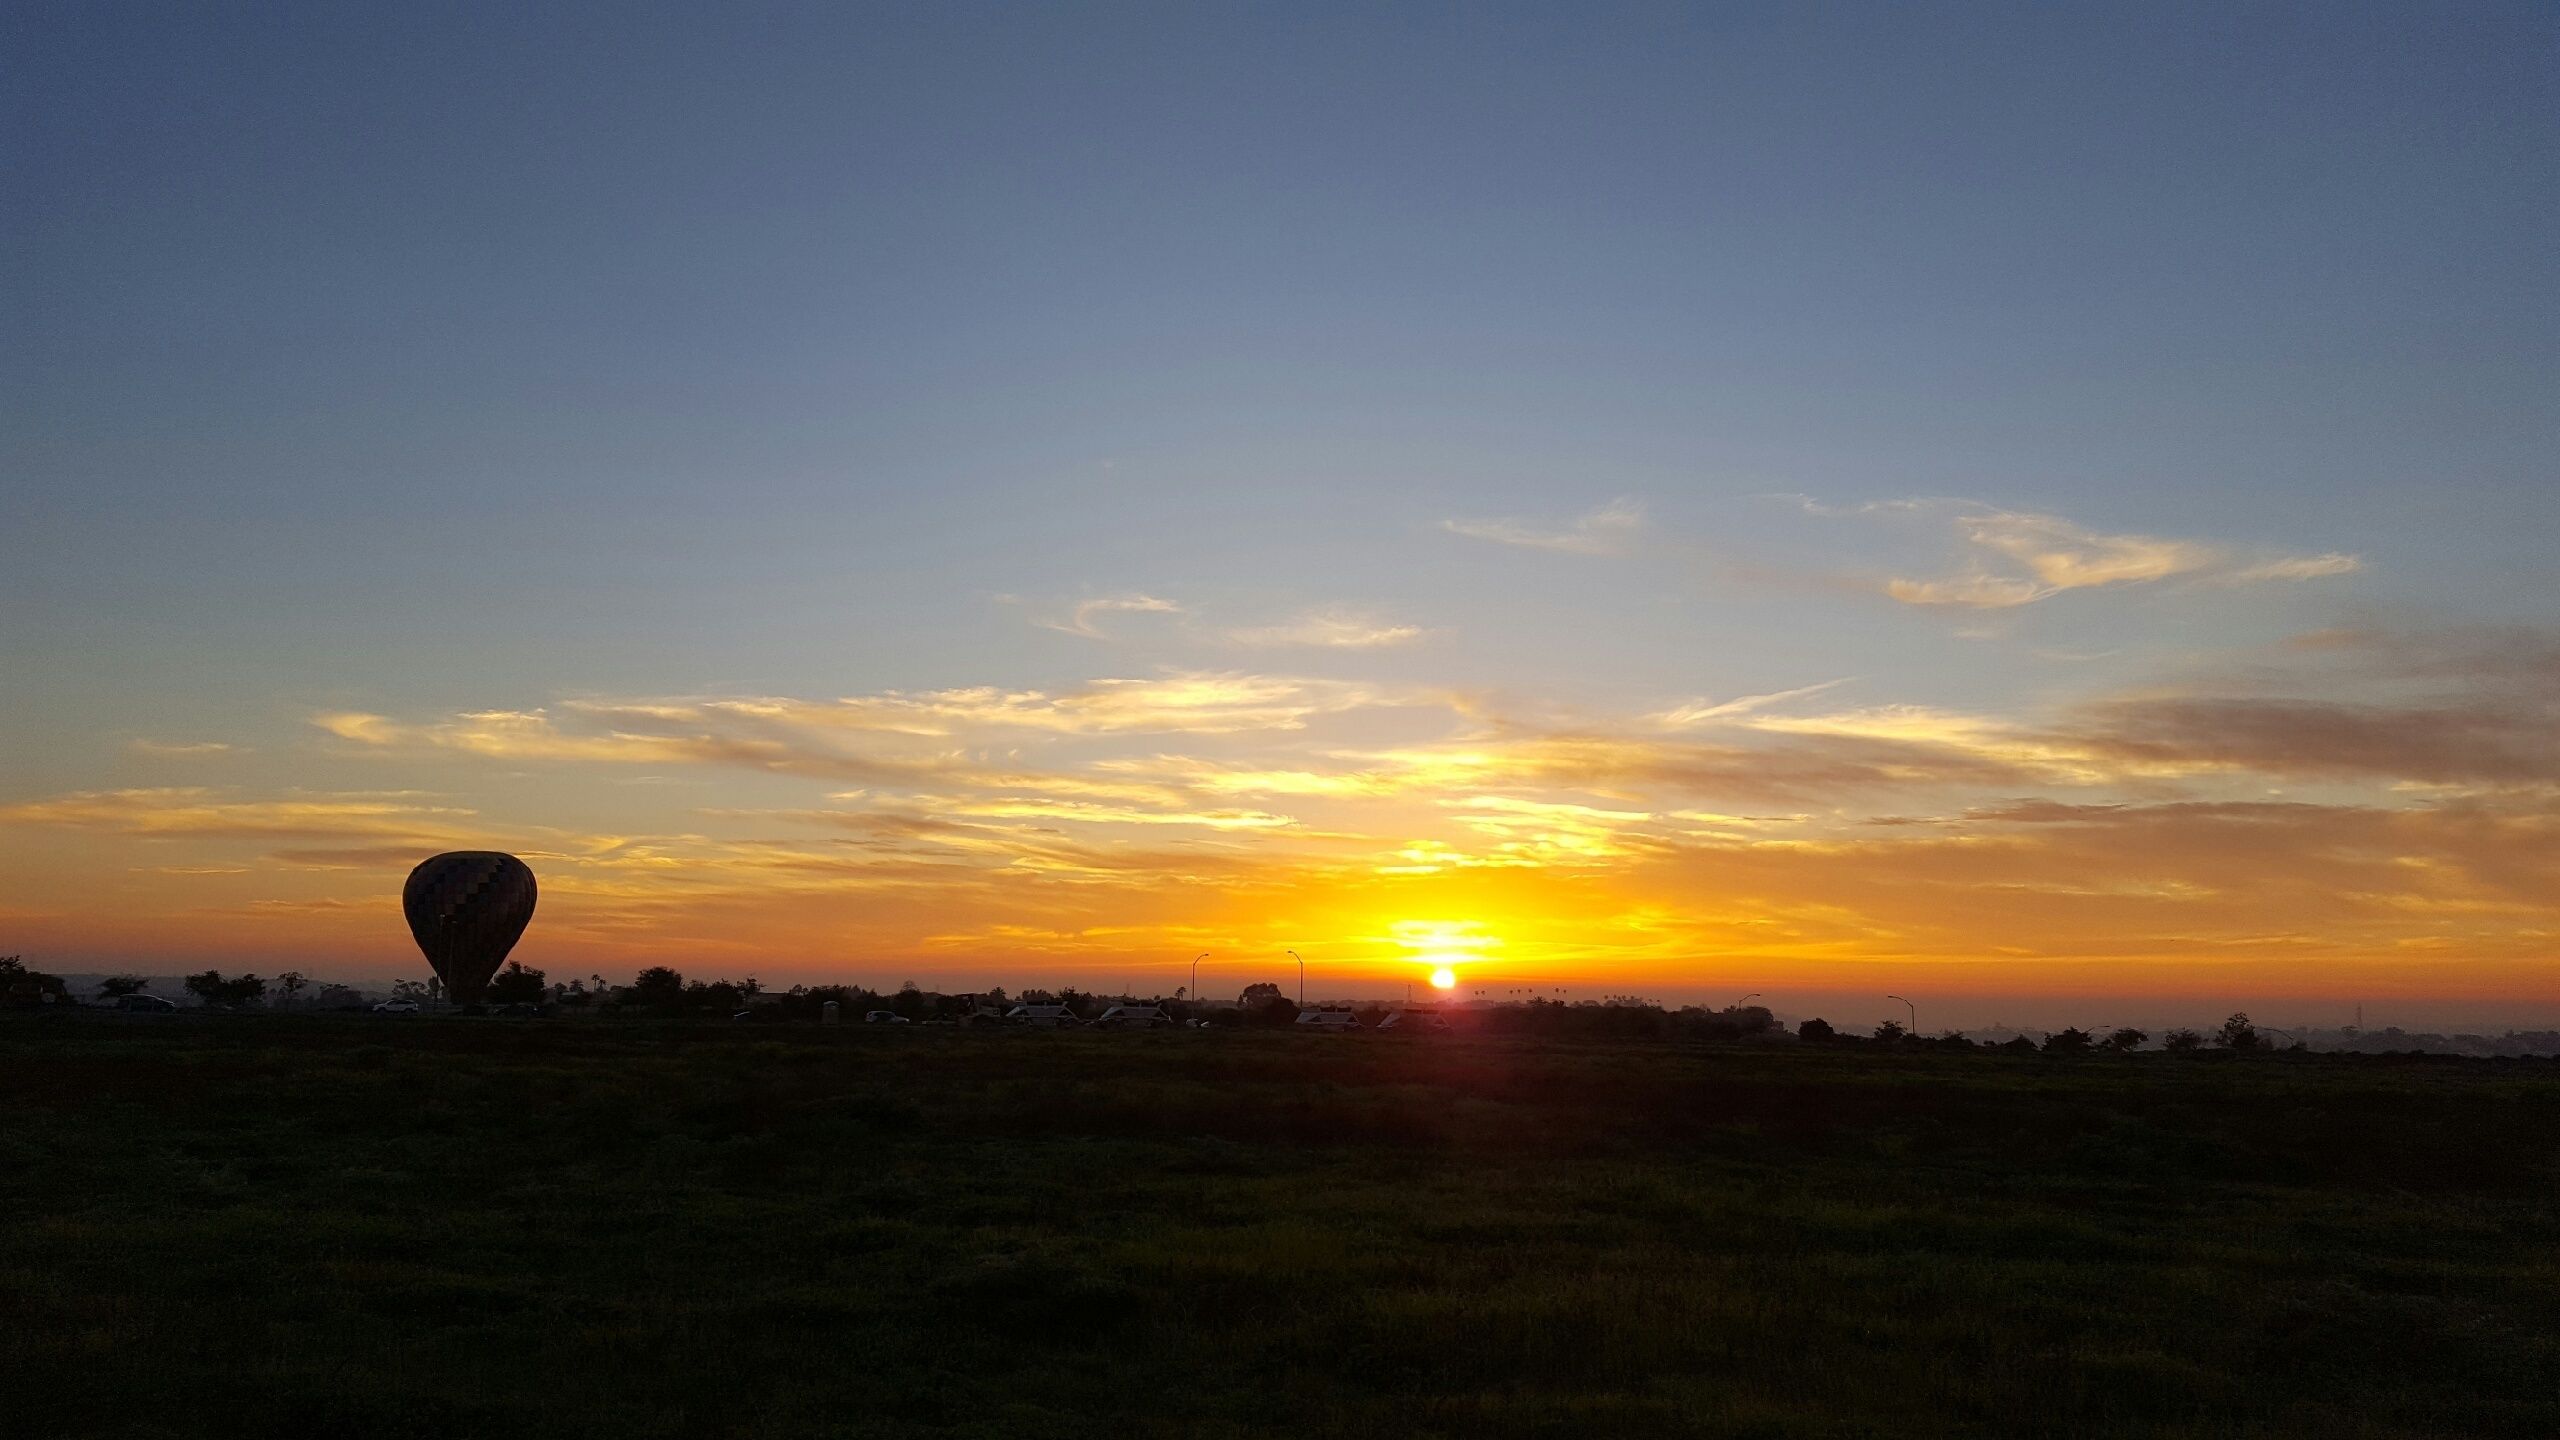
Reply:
x=1444, y=978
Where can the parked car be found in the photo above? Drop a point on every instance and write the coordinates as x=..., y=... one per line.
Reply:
x=397, y=1007
x=142, y=1005
x=884, y=1017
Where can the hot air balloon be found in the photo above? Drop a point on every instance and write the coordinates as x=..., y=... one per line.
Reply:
x=467, y=909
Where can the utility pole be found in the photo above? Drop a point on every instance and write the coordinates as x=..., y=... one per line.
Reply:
x=1915, y=1014
x=1195, y=975
x=1302, y=978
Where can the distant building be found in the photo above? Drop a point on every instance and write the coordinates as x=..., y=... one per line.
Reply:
x=1328, y=1020
x=1045, y=1017
x=1415, y=1017
x=1133, y=1017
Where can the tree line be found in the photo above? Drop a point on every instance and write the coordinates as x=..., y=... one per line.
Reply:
x=2235, y=1034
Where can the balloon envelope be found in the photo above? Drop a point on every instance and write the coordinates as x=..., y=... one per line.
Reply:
x=467, y=910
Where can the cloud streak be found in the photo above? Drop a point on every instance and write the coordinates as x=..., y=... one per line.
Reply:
x=1698, y=713
x=1085, y=620
x=2020, y=557
x=1607, y=530
x=195, y=812
x=1328, y=629
x=181, y=749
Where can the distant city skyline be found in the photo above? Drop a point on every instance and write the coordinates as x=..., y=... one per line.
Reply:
x=2052, y=508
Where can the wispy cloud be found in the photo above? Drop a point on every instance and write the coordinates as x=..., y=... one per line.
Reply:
x=1086, y=618
x=195, y=812
x=2297, y=567
x=870, y=738
x=2021, y=557
x=1604, y=531
x=1707, y=712
x=1329, y=629
x=2464, y=742
x=181, y=749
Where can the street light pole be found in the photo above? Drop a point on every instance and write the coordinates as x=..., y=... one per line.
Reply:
x=1195, y=975
x=1747, y=999
x=1915, y=1013
x=1302, y=978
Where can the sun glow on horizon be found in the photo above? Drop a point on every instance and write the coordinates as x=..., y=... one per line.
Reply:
x=1441, y=946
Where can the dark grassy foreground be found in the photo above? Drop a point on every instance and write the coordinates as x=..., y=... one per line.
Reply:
x=274, y=1226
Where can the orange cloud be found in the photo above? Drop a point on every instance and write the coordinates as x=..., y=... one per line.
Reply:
x=985, y=826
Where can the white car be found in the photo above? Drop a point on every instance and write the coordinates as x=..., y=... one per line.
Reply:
x=397, y=1007
x=884, y=1017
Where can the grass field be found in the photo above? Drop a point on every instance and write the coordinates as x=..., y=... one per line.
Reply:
x=266, y=1226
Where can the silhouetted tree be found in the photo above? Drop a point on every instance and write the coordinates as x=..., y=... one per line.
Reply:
x=2067, y=1042
x=22, y=986
x=2016, y=1045
x=2126, y=1040
x=2180, y=1042
x=1730, y=1023
x=516, y=985
x=657, y=988
x=214, y=990
x=1816, y=1031
x=2238, y=1034
x=291, y=984
x=116, y=987
x=1889, y=1033
x=721, y=996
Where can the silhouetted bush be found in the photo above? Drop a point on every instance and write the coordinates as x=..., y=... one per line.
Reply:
x=214, y=990
x=516, y=985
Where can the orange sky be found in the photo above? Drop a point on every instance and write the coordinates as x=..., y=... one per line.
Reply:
x=2296, y=831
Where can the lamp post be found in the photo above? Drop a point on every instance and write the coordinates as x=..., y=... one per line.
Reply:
x=1747, y=999
x=1195, y=975
x=1915, y=1013
x=1302, y=978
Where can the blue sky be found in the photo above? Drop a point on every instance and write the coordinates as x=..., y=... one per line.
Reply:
x=426, y=363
